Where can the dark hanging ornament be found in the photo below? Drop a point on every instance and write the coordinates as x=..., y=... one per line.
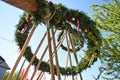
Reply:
x=87, y=30
x=50, y=3
x=28, y=20
x=18, y=44
x=72, y=19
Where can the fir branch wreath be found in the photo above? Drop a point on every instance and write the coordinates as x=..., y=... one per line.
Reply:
x=84, y=32
x=78, y=40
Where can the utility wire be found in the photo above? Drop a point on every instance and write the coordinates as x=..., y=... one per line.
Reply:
x=6, y=39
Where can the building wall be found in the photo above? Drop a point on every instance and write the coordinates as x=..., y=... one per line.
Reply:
x=2, y=71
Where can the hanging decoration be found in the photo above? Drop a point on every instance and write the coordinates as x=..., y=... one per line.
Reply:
x=23, y=27
x=18, y=47
x=87, y=30
x=64, y=18
x=78, y=23
x=72, y=19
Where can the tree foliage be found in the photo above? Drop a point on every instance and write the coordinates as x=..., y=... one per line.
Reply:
x=108, y=18
x=13, y=78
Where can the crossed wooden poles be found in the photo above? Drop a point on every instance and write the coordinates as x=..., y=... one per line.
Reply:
x=31, y=6
x=51, y=54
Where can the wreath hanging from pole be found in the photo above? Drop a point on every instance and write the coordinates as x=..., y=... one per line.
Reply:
x=83, y=32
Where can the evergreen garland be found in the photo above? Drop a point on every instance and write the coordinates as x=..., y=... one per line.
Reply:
x=78, y=39
x=62, y=20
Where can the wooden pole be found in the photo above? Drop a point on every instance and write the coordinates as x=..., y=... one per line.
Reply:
x=66, y=66
x=58, y=46
x=18, y=76
x=22, y=52
x=67, y=58
x=34, y=55
x=50, y=52
x=75, y=55
x=56, y=57
x=69, y=54
x=40, y=76
x=38, y=65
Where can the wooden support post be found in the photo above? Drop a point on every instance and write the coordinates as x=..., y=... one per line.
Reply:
x=18, y=76
x=40, y=76
x=58, y=46
x=69, y=54
x=38, y=65
x=75, y=55
x=34, y=55
x=50, y=52
x=56, y=57
x=22, y=52
x=66, y=66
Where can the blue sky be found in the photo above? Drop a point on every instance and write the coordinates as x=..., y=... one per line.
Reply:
x=9, y=17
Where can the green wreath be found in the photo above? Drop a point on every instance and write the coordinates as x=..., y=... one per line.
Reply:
x=78, y=39
x=63, y=16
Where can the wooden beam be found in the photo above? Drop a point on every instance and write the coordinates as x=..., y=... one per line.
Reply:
x=26, y=5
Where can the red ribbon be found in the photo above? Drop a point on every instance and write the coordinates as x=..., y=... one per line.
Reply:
x=23, y=30
x=78, y=23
